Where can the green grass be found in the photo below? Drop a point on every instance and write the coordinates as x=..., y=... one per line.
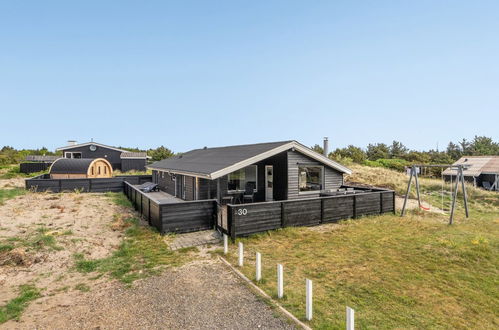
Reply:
x=82, y=287
x=119, y=199
x=14, y=308
x=13, y=171
x=6, y=194
x=38, y=240
x=395, y=272
x=142, y=253
x=415, y=272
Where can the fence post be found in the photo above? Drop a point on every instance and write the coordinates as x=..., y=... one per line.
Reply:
x=258, y=274
x=354, y=206
x=380, y=203
x=226, y=244
x=280, y=282
x=241, y=254
x=350, y=318
x=308, y=299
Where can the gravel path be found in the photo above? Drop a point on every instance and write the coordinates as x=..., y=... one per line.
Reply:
x=201, y=295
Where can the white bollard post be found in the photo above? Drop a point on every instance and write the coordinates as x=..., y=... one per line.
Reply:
x=226, y=244
x=280, y=282
x=308, y=299
x=258, y=266
x=241, y=254
x=350, y=319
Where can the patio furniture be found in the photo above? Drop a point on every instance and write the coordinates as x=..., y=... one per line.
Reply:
x=249, y=192
x=227, y=199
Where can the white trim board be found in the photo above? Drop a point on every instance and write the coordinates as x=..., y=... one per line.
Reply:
x=90, y=143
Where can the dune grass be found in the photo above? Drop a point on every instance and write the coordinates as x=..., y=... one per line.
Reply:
x=6, y=194
x=14, y=308
x=415, y=272
x=142, y=253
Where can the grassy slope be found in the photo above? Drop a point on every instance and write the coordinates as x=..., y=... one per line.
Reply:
x=143, y=251
x=412, y=272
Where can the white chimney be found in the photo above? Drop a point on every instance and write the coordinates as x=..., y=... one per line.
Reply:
x=71, y=142
x=326, y=147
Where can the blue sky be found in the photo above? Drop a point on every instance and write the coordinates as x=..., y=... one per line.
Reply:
x=187, y=74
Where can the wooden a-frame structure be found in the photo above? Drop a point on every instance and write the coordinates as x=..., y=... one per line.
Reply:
x=459, y=178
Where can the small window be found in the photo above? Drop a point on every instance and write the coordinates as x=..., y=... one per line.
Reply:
x=239, y=179
x=92, y=169
x=105, y=170
x=310, y=178
x=98, y=170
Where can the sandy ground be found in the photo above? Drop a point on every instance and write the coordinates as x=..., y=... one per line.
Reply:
x=79, y=223
x=202, y=294
x=12, y=183
x=413, y=204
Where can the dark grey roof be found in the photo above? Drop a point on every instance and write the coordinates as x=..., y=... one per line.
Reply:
x=133, y=155
x=71, y=165
x=210, y=160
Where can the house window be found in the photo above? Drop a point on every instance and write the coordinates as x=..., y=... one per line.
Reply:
x=72, y=154
x=310, y=178
x=239, y=179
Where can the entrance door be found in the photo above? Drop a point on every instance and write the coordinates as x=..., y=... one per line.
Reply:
x=269, y=183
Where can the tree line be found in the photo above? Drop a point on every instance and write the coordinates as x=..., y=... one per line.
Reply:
x=397, y=155
x=10, y=155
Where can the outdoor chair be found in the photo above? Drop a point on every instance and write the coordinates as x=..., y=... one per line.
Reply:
x=486, y=185
x=227, y=200
x=249, y=192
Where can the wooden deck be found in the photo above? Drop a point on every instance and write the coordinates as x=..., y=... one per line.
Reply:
x=162, y=197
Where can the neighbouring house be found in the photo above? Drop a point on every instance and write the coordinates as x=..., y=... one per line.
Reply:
x=119, y=159
x=72, y=168
x=258, y=172
x=36, y=163
x=481, y=171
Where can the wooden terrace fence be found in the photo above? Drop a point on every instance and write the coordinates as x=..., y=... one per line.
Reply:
x=115, y=184
x=181, y=217
x=246, y=219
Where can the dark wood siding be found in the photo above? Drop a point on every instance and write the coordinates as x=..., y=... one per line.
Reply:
x=246, y=219
x=333, y=179
x=166, y=183
x=33, y=167
x=337, y=208
x=112, y=156
x=44, y=183
x=301, y=212
x=258, y=217
x=188, y=216
x=190, y=181
x=133, y=165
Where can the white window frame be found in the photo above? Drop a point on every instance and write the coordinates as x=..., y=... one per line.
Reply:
x=256, y=177
x=72, y=153
x=322, y=180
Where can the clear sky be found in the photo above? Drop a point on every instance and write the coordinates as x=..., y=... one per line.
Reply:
x=188, y=74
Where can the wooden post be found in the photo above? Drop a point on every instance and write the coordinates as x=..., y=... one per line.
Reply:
x=226, y=244
x=417, y=186
x=406, y=193
x=465, y=195
x=258, y=275
x=350, y=319
x=308, y=299
x=454, y=196
x=354, y=206
x=280, y=282
x=241, y=254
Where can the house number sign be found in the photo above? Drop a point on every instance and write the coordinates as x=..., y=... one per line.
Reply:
x=242, y=211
